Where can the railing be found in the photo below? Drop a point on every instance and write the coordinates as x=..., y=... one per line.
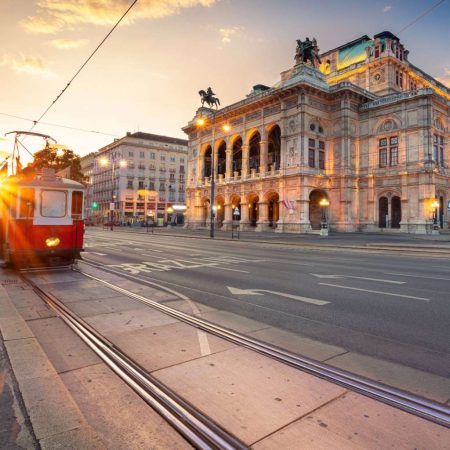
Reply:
x=395, y=98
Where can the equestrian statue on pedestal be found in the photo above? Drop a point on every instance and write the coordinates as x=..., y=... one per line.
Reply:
x=307, y=51
x=209, y=98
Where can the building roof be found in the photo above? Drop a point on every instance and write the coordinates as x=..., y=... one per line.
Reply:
x=157, y=138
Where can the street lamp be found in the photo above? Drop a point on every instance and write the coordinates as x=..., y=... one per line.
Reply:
x=201, y=122
x=324, y=203
x=104, y=162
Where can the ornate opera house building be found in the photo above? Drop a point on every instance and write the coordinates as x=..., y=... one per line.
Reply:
x=358, y=141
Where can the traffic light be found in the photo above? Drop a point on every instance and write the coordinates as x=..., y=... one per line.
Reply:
x=94, y=205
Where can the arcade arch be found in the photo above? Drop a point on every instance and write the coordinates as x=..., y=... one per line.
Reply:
x=274, y=148
x=316, y=212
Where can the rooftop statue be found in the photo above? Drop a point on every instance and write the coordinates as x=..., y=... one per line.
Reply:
x=209, y=98
x=307, y=51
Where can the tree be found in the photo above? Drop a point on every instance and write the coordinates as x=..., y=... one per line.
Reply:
x=59, y=159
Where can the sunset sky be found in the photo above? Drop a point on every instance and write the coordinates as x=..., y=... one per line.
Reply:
x=147, y=75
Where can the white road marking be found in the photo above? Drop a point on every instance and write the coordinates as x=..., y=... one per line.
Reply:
x=96, y=253
x=358, y=278
x=417, y=276
x=227, y=268
x=237, y=291
x=376, y=292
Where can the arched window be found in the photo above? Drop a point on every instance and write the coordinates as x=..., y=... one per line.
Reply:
x=274, y=148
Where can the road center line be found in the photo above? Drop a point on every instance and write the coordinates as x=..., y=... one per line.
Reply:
x=375, y=292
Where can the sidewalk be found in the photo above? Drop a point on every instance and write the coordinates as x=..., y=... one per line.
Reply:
x=73, y=401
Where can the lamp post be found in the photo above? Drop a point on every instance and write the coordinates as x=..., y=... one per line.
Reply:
x=324, y=203
x=105, y=162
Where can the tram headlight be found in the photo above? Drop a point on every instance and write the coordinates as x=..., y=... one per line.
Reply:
x=52, y=241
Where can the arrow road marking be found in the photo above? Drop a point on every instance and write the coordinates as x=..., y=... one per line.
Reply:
x=376, y=292
x=358, y=278
x=313, y=301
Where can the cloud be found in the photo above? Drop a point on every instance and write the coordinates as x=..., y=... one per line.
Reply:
x=55, y=15
x=445, y=79
x=387, y=8
x=227, y=33
x=31, y=65
x=66, y=44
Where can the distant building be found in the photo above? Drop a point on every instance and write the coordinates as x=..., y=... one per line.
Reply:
x=87, y=169
x=366, y=132
x=143, y=175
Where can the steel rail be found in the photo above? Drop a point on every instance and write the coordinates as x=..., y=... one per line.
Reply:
x=405, y=401
x=201, y=431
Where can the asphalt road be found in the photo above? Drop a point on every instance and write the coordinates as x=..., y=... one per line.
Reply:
x=387, y=306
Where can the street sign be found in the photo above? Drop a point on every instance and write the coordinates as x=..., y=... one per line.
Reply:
x=236, y=211
x=111, y=206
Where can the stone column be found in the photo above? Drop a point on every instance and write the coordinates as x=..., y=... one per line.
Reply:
x=263, y=157
x=245, y=222
x=200, y=165
x=245, y=155
x=263, y=220
x=228, y=164
x=216, y=162
x=228, y=216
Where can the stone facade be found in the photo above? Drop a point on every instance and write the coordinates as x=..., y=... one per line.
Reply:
x=367, y=131
x=150, y=180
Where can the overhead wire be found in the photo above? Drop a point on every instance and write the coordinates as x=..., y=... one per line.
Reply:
x=59, y=125
x=84, y=65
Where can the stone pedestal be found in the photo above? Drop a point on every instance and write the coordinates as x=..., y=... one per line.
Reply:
x=307, y=73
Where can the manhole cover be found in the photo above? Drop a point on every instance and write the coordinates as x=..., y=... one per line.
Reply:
x=6, y=282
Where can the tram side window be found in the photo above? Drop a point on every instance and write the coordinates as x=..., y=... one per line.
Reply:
x=26, y=203
x=77, y=205
x=53, y=203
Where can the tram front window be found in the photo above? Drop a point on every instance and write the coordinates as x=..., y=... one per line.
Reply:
x=26, y=203
x=53, y=203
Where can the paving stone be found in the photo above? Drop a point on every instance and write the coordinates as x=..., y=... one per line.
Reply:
x=357, y=422
x=158, y=347
x=120, y=417
x=83, y=294
x=186, y=307
x=248, y=393
x=40, y=312
x=50, y=406
x=26, y=299
x=130, y=320
x=28, y=360
x=63, y=347
x=416, y=381
x=83, y=438
x=86, y=308
x=14, y=328
x=297, y=344
x=7, y=309
x=233, y=321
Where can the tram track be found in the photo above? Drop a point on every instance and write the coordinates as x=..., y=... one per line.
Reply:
x=191, y=423
x=405, y=401
x=197, y=428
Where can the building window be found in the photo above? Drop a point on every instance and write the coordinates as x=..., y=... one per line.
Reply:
x=181, y=169
x=388, y=147
x=131, y=154
x=141, y=185
x=163, y=157
x=152, y=156
x=141, y=154
x=182, y=160
x=438, y=149
x=377, y=51
x=312, y=153
x=172, y=159
x=130, y=184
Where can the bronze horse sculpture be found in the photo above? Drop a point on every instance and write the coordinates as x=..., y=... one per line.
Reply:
x=209, y=99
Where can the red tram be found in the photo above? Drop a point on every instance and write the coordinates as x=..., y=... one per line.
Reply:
x=41, y=220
